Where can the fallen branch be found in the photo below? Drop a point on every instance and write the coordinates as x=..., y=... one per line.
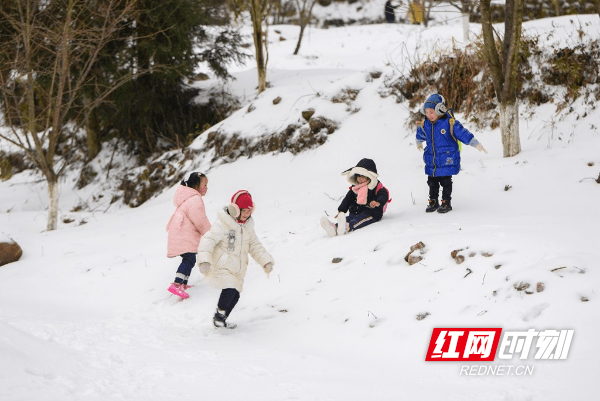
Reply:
x=592, y=178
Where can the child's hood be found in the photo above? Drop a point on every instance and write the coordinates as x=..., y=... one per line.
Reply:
x=366, y=168
x=184, y=193
x=230, y=222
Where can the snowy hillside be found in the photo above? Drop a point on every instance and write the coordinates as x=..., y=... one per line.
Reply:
x=85, y=315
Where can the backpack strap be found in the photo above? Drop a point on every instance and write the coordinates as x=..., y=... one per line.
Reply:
x=451, y=121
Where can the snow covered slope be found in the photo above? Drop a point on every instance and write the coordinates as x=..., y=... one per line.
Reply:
x=85, y=315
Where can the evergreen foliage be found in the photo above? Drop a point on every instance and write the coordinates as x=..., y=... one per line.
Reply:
x=172, y=37
x=160, y=42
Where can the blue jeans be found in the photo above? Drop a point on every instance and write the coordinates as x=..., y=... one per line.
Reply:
x=185, y=268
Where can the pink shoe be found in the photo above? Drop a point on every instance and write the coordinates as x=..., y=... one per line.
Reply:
x=178, y=289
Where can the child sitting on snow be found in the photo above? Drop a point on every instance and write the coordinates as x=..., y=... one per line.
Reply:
x=366, y=200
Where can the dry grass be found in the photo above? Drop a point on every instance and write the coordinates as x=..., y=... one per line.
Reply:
x=462, y=76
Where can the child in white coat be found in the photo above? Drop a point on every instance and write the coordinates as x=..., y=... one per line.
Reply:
x=223, y=253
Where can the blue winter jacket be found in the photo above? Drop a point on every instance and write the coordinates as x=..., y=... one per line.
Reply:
x=441, y=156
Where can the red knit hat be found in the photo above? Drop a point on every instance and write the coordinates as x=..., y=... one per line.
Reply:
x=240, y=200
x=244, y=200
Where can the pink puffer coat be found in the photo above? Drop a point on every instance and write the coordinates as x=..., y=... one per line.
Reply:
x=188, y=223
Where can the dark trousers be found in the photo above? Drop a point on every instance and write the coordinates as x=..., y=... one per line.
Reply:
x=360, y=220
x=228, y=299
x=434, y=187
x=185, y=268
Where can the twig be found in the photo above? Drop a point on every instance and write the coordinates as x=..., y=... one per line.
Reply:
x=592, y=178
x=98, y=205
x=106, y=210
x=469, y=271
x=483, y=279
x=29, y=182
x=558, y=268
x=111, y=158
x=330, y=197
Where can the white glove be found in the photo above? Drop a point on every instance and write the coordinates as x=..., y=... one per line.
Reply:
x=480, y=148
x=268, y=268
x=420, y=146
x=204, y=267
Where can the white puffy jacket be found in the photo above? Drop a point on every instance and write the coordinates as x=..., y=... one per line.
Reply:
x=226, y=247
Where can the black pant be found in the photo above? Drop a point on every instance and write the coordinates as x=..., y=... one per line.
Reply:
x=434, y=187
x=185, y=268
x=229, y=297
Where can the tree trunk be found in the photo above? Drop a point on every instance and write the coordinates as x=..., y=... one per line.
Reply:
x=598, y=7
x=504, y=73
x=557, y=7
x=261, y=65
x=465, y=24
x=302, y=26
x=304, y=16
x=91, y=130
x=425, y=7
x=52, y=204
x=509, y=127
x=489, y=49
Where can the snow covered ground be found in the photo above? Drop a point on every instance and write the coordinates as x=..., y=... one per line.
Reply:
x=85, y=315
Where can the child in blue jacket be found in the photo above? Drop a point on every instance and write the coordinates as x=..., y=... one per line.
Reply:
x=441, y=133
x=366, y=200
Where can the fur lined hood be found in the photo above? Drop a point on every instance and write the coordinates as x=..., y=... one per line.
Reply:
x=366, y=168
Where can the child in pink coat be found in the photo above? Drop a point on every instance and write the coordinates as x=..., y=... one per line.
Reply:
x=185, y=228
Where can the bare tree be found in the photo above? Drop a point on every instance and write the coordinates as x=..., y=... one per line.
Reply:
x=280, y=10
x=46, y=61
x=259, y=10
x=304, y=8
x=503, y=68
